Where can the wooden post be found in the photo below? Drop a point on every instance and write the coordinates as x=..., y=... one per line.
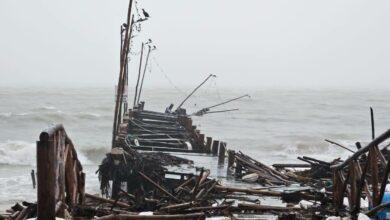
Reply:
x=81, y=189
x=33, y=179
x=361, y=184
x=384, y=182
x=353, y=187
x=60, y=179
x=209, y=141
x=372, y=124
x=231, y=154
x=222, y=151
x=238, y=170
x=121, y=80
x=117, y=156
x=201, y=142
x=188, y=124
x=214, y=149
x=46, y=174
x=196, y=134
x=116, y=188
x=336, y=190
x=373, y=160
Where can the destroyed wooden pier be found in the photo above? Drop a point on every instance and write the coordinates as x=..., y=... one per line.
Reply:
x=136, y=181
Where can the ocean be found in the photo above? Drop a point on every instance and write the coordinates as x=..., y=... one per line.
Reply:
x=273, y=126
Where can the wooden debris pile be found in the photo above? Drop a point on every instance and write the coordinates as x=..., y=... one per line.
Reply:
x=364, y=175
x=125, y=165
x=135, y=182
x=252, y=170
x=60, y=178
x=25, y=210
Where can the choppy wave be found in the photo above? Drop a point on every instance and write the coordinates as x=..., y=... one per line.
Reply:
x=56, y=115
x=17, y=153
x=324, y=151
x=87, y=115
x=45, y=107
x=23, y=153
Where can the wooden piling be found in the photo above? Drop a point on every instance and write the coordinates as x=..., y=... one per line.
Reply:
x=209, y=141
x=238, y=170
x=46, y=174
x=201, y=142
x=222, y=151
x=116, y=188
x=189, y=124
x=231, y=154
x=116, y=155
x=214, y=149
x=33, y=179
x=196, y=135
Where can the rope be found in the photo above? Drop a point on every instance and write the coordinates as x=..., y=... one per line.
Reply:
x=137, y=9
x=220, y=99
x=166, y=76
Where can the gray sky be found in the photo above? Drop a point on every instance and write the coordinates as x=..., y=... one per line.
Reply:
x=262, y=43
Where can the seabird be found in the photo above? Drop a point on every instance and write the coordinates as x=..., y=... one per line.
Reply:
x=145, y=13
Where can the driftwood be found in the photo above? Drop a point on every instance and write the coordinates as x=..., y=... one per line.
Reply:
x=265, y=208
x=363, y=150
x=373, y=211
x=248, y=191
x=195, y=216
x=159, y=187
x=110, y=201
x=59, y=170
x=265, y=173
x=280, y=165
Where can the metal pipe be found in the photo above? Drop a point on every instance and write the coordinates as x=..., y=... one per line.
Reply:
x=139, y=75
x=227, y=101
x=143, y=76
x=207, y=109
x=181, y=104
x=221, y=111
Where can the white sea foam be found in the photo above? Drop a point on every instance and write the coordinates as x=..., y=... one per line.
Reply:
x=87, y=115
x=17, y=153
x=24, y=153
x=45, y=107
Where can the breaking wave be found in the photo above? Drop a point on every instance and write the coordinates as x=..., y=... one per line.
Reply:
x=87, y=115
x=48, y=107
x=24, y=153
x=56, y=115
x=17, y=153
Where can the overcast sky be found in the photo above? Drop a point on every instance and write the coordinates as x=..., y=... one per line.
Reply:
x=263, y=43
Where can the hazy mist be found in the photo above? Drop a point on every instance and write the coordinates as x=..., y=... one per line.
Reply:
x=256, y=43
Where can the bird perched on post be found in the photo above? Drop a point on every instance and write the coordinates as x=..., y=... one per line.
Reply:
x=145, y=13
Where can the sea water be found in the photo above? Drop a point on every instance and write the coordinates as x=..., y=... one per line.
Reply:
x=273, y=126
